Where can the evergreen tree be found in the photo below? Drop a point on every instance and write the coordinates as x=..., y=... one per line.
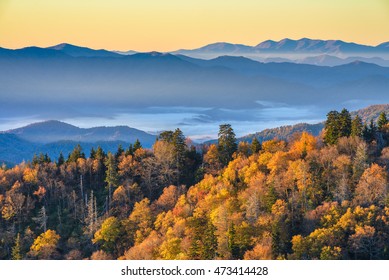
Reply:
x=119, y=152
x=76, y=154
x=99, y=167
x=209, y=242
x=16, y=249
x=226, y=143
x=100, y=155
x=356, y=126
x=255, y=146
x=137, y=145
x=204, y=241
x=61, y=159
x=344, y=123
x=166, y=136
x=92, y=153
x=232, y=244
x=111, y=176
x=180, y=149
x=382, y=121
x=35, y=160
x=372, y=128
x=370, y=131
x=337, y=125
x=130, y=150
x=331, y=128
x=366, y=133
x=43, y=158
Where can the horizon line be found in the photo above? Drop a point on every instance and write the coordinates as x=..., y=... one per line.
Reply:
x=183, y=49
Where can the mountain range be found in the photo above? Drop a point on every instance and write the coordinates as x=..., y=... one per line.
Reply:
x=33, y=79
x=313, y=49
x=287, y=46
x=164, y=91
x=55, y=137
x=77, y=51
x=53, y=131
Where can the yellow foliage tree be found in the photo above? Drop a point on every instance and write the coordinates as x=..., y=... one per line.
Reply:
x=305, y=144
x=45, y=245
x=108, y=235
x=372, y=187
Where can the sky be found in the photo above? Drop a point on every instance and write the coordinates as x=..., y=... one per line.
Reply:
x=176, y=24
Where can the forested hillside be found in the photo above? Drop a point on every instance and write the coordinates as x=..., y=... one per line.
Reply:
x=285, y=132
x=323, y=197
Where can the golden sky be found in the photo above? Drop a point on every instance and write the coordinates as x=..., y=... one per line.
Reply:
x=166, y=25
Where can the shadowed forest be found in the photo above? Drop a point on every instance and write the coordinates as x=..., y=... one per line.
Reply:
x=309, y=197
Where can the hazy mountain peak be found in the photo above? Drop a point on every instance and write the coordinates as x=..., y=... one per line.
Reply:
x=54, y=131
x=63, y=46
x=77, y=51
x=384, y=45
x=51, y=123
x=38, y=127
x=265, y=44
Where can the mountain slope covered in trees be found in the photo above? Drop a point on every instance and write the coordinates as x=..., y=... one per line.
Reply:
x=322, y=197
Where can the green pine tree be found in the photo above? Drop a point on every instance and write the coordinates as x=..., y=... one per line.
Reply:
x=356, y=126
x=16, y=249
x=255, y=146
x=331, y=128
x=119, y=152
x=382, y=121
x=76, y=154
x=180, y=150
x=112, y=176
x=344, y=125
x=227, y=145
x=61, y=159
x=130, y=150
x=137, y=145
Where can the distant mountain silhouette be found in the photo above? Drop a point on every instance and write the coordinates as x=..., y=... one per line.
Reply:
x=77, y=51
x=54, y=137
x=286, y=46
x=54, y=131
x=31, y=52
x=306, y=45
x=218, y=48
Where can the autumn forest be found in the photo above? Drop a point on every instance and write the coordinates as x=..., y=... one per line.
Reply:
x=306, y=197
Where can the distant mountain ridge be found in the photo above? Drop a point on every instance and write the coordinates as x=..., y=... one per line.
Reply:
x=285, y=132
x=303, y=45
x=284, y=46
x=54, y=131
x=53, y=137
x=77, y=51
